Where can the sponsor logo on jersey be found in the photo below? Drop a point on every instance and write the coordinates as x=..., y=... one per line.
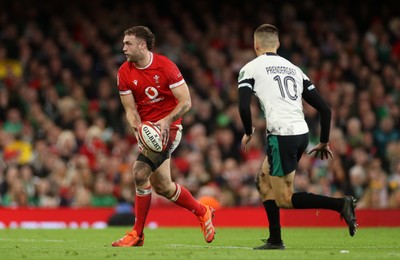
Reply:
x=151, y=92
x=241, y=74
x=135, y=82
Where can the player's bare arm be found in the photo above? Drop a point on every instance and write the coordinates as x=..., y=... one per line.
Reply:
x=132, y=114
x=182, y=94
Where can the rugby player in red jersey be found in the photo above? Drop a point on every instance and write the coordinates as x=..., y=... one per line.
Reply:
x=152, y=88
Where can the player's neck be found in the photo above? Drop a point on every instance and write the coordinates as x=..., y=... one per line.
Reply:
x=145, y=61
x=264, y=51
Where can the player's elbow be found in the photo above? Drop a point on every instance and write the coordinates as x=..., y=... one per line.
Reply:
x=323, y=109
x=326, y=111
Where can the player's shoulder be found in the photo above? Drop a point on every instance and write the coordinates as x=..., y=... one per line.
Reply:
x=282, y=61
x=160, y=58
x=163, y=64
x=125, y=66
x=288, y=63
x=249, y=65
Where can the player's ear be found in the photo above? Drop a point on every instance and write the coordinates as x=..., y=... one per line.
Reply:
x=256, y=45
x=143, y=45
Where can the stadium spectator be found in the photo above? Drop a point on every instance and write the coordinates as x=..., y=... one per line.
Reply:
x=47, y=49
x=102, y=195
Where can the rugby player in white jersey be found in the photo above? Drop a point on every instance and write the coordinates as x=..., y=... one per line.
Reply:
x=280, y=87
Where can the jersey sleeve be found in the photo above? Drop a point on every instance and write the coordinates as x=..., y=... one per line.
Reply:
x=245, y=78
x=175, y=77
x=122, y=83
x=246, y=87
x=312, y=97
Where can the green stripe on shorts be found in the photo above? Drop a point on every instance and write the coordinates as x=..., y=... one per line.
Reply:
x=276, y=157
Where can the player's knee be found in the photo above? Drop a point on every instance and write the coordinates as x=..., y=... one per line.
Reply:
x=139, y=179
x=263, y=187
x=283, y=201
x=141, y=174
x=163, y=189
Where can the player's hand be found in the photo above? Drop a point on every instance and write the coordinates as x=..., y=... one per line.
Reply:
x=322, y=151
x=164, y=125
x=135, y=132
x=245, y=140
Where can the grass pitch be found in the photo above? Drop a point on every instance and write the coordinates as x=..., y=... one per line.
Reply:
x=188, y=243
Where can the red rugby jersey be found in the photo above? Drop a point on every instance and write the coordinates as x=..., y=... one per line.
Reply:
x=151, y=86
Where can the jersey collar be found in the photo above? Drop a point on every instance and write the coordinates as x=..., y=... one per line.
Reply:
x=271, y=54
x=148, y=65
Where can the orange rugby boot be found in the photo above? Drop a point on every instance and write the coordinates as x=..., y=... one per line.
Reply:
x=130, y=239
x=206, y=224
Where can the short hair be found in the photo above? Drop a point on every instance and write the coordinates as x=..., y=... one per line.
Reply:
x=144, y=33
x=267, y=34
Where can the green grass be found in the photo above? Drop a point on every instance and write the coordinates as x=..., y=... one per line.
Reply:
x=188, y=243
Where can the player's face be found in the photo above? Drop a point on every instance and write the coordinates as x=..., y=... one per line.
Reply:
x=133, y=48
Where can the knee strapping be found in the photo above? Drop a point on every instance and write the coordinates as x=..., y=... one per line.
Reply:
x=143, y=192
x=157, y=160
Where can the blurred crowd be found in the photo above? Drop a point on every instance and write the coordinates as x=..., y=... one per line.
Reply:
x=64, y=140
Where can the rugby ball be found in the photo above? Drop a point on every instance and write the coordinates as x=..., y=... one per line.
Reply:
x=150, y=136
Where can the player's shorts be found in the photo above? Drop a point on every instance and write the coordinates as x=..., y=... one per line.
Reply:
x=284, y=152
x=154, y=159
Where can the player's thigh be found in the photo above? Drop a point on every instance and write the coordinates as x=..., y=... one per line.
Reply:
x=284, y=152
x=161, y=180
x=263, y=182
x=162, y=174
x=283, y=189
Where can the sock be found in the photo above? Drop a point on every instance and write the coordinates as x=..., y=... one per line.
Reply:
x=184, y=198
x=142, y=207
x=273, y=214
x=305, y=200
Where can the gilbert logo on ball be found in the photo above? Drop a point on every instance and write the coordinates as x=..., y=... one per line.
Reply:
x=150, y=136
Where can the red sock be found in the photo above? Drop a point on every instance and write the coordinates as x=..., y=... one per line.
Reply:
x=142, y=206
x=184, y=198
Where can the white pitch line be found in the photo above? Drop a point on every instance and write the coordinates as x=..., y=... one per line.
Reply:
x=198, y=246
x=32, y=240
x=351, y=247
x=250, y=248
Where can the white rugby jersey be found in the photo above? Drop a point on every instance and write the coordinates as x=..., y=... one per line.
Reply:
x=279, y=85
